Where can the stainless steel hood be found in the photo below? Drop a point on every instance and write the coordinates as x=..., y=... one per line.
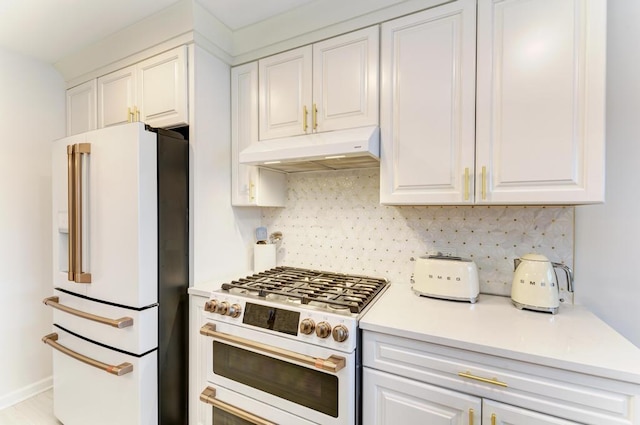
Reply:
x=332, y=150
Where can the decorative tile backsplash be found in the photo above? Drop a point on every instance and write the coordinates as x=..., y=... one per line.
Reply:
x=333, y=221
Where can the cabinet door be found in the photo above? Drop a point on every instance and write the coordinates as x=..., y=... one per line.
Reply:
x=389, y=399
x=541, y=104
x=345, y=81
x=250, y=185
x=427, y=106
x=197, y=360
x=495, y=413
x=116, y=97
x=81, y=108
x=161, y=86
x=285, y=94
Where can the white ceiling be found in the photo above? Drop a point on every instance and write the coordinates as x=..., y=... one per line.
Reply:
x=49, y=30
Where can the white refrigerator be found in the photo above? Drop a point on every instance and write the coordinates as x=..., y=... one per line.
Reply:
x=120, y=278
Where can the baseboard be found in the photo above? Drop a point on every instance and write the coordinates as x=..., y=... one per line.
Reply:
x=26, y=392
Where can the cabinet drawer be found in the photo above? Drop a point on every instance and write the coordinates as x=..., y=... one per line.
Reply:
x=570, y=395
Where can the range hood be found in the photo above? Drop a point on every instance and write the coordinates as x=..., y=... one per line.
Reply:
x=331, y=150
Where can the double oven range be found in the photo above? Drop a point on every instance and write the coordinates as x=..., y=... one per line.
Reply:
x=283, y=347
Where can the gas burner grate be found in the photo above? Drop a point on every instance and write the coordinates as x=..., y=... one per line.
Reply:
x=335, y=290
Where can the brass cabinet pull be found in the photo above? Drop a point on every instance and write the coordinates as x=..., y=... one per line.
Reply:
x=136, y=113
x=493, y=419
x=75, y=218
x=123, y=322
x=466, y=184
x=251, y=190
x=314, y=117
x=331, y=364
x=493, y=381
x=118, y=370
x=304, y=118
x=470, y=416
x=209, y=396
x=484, y=183
x=129, y=115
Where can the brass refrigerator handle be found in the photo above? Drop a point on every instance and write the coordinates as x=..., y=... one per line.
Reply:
x=118, y=370
x=120, y=323
x=493, y=381
x=79, y=276
x=209, y=396
x=493, y=419
x=71, y=224
x=470, y=416
x=331, y=364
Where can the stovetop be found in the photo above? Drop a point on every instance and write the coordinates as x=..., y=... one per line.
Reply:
x=336, y=292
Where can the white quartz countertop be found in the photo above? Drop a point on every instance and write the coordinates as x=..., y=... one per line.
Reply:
x=574, y=339
x=203, y=289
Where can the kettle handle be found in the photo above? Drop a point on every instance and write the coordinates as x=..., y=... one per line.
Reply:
x=516, y=263
x=567, y=270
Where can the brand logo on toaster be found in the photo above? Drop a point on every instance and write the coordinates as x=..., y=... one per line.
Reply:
x=440, y=277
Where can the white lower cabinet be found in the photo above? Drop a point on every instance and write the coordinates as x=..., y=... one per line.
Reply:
x=197, y=361
x=390, y=399
x=414, y=382
x=495, y=413
x=416, y=403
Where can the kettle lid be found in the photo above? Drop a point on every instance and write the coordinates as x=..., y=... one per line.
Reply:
x=534, y=257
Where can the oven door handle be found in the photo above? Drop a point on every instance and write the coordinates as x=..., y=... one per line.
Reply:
x=331, y=364
x=209, y=396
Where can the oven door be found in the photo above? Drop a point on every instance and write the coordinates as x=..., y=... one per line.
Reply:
x=305, y=380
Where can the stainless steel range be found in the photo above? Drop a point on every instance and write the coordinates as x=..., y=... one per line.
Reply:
x=284, y=347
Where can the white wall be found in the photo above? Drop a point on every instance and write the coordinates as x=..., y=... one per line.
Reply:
x=221, y=235
x=31, y=116
x=608, y=236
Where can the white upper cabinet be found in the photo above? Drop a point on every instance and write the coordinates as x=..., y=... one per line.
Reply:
x=532, y=114
x=285, y=93
x=81, y=108
x=250, y=185
x=162, y=89
x=117, y=97
x=428, y=105
x=541, y=101
x=345, y=81
x=330, y=85
x=153, y=91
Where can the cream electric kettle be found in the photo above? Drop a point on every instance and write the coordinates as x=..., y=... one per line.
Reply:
x=535, y=283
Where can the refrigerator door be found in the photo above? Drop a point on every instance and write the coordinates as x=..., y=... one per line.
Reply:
x=86, y=394
x=107, y=197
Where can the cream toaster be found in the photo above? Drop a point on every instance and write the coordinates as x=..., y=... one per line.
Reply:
x=445, y=277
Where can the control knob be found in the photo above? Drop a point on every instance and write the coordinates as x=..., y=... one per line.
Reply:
x=307, y=326
x=323, y=329
x=222, y=308
x=210, y=306
x=235, y=310
x=340, y=333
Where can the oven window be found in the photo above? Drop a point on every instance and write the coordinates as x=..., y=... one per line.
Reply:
x=220, y=417
x=311, y=388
